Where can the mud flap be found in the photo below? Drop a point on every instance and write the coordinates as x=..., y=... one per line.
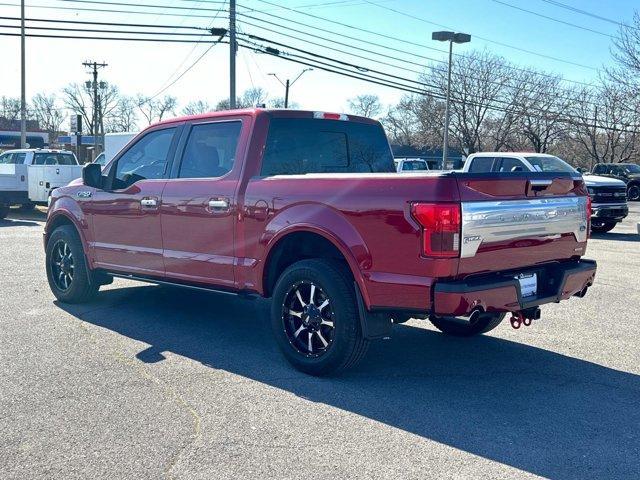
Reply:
x=374, y=325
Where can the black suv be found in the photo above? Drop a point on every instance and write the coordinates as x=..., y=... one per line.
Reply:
x=629, y=173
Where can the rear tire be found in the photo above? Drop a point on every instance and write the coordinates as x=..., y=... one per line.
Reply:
x=456, y=327
x=315, y=319
x=27, y=207
x=4, y=211
x=67, y=270
x=600, y=226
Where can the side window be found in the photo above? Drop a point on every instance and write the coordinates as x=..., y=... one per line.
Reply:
x=144, y=160
x=210, y=150
x=481, y=165
x=508, y=165
x=598, y=169
x=6, y=158
x=19, y=158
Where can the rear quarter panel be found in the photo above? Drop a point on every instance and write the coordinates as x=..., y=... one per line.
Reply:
x=367, y=215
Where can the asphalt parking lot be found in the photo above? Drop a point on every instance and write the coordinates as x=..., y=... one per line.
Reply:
x=149, y=382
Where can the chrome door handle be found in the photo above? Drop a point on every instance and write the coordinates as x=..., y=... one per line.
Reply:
x=149, y=202
x=219, y=204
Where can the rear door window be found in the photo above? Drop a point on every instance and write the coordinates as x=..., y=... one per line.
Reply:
x=481, y=165
x=509, y=165
x=299, y=146
x=210, y=150
x=414, y=165
x=44, y=158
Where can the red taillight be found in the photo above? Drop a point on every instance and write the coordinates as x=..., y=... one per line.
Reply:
x=440, y=228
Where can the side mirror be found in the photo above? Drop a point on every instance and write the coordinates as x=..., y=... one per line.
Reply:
x=582, y=170
x=92, y=175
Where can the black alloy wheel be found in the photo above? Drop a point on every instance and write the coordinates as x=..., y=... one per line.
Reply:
x=62, y=265
x=308, y=319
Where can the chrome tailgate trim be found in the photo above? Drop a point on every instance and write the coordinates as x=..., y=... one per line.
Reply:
x=487, y=222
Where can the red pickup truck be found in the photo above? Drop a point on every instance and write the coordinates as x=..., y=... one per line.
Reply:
x=306, y=208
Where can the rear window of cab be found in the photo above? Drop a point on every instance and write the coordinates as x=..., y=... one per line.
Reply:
x=298, y=146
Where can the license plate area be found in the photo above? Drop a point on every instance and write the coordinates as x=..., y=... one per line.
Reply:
x=528, y=284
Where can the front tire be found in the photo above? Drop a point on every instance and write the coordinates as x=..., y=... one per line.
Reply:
x=315, y=319
x=475, y=325
x=633, y=192
x=600, y=226
x=67, y=270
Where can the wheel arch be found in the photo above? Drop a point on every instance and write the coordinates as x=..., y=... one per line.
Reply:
x=299, y=242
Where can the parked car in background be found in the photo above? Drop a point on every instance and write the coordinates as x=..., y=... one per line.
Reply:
x=629, y=173
x=306, y=208
x=28, y=176
x=410, y=165
x=608, y=195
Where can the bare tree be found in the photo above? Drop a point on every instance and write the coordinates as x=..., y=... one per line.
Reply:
x=365, y=105
x=606, y=123
x=478, y=86
x=10, y=108
x=196, y=107
x=79, y=100
x=124, y=117
x=155, y=109
x=278, y=102
x=250, y=98
x=626, y=53
x=46, y=111
x=416, y=120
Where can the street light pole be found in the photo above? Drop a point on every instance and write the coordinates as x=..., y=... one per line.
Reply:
x=445, y=141
x=23, y=84
x=288, y=84
x=452, y=38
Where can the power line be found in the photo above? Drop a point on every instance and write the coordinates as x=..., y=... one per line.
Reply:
x=79, y=22
x=103, y=10
x=553, y=19
x=364, y=31
x=585, y=12
x=91, y=30
x=128, y=39
x=502, y=44
x=144, y=5
x=380, y=81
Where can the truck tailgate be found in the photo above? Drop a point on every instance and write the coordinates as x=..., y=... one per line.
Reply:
x=519, y=220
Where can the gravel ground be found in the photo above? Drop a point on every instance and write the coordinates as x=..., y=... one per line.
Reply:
x=149, y=382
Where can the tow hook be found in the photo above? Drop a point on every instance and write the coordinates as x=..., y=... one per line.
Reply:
x=524, y=317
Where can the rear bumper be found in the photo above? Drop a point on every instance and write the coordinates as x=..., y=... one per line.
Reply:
x=501, y=292
x=614, y=212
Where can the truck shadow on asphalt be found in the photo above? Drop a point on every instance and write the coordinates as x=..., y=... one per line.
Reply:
x=533, y=409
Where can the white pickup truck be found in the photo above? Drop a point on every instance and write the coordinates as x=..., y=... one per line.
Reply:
x=28, y=176
x=608, y=195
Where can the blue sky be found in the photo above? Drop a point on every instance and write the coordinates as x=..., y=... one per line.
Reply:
x=146, y=68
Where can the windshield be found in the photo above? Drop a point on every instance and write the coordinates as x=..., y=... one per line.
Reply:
x=11, y=158
x=631, y=168
x=550, y=164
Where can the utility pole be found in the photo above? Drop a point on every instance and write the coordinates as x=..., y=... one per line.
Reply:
x=288, y=84
x=23, y=84
x=232, y=54
x=96, y=104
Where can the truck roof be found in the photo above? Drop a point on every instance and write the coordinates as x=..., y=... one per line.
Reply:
x=38, y=150
x=254, y=112
x=519, y=154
